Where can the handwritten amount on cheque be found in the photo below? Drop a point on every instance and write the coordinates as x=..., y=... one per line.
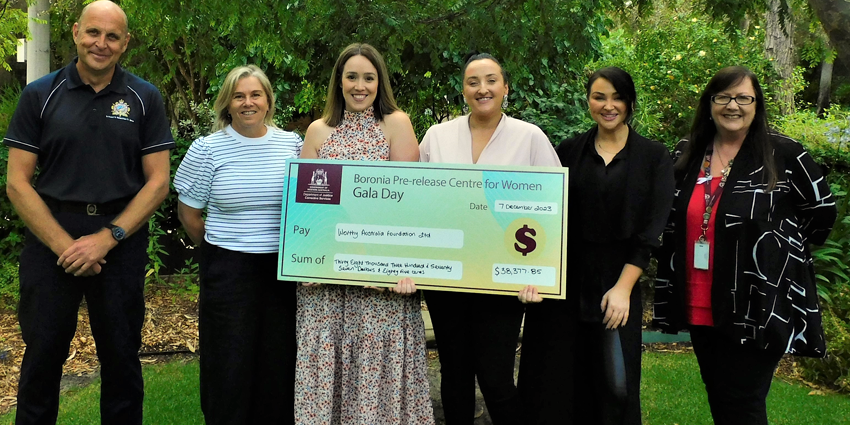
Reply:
x=388, y=267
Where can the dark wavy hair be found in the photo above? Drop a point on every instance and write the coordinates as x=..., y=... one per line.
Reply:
x=476, y=55
x=622, y=82
x=704, y=129
x=384, y=102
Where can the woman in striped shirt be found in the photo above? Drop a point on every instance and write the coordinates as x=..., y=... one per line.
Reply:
x=247, y=317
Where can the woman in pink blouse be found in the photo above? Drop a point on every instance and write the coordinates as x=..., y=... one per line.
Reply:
x=477, y=333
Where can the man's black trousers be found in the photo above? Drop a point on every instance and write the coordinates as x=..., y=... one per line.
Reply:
x=50, y=300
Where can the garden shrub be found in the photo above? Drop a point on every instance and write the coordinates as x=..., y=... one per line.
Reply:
x=832, y=270
x=842, y=93
x=560, y=114
x=671, y=60
x=833, y=370
x=9, y=286
x=832, y=260
x=9, y=96
x=827, y=139
x=11, y=226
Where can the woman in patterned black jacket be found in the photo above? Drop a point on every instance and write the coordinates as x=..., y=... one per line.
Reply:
x=735, y=267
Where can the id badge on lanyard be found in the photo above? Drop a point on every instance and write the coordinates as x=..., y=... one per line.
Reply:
x=701, y=253
x=702, y=247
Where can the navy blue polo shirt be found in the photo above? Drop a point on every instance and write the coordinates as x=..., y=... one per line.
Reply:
x=89, y=145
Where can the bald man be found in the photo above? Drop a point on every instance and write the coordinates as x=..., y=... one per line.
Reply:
x=101, y=141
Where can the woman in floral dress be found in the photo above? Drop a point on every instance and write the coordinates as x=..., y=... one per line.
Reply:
x=361, y=351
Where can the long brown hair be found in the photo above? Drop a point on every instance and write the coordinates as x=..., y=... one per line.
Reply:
x=704, y=129
x=384, y=103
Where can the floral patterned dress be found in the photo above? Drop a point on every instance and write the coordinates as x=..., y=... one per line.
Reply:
x=361, y=353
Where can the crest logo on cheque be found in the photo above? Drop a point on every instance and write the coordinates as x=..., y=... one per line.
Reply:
x=320, y=178
x=319, y=183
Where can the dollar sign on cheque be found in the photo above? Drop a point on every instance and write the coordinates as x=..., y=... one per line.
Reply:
x=522, y=236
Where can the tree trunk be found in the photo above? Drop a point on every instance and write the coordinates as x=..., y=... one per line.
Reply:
x=779, y=48
x=824, y=87
x=834, y=15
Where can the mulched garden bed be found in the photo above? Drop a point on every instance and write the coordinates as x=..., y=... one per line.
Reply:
x=171, y=328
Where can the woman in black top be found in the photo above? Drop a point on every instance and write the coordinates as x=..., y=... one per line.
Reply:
x=621, y=189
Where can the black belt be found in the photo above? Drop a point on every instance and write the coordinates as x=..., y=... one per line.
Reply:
x=74, y=207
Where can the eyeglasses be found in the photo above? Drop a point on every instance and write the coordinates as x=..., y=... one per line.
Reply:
x=721, y=99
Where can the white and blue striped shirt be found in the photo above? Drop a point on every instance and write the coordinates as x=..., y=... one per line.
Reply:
x=240, y=182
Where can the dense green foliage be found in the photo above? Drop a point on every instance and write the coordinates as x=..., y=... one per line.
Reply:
x=185, y=48
x=827, y=139
x=9, y=286
x=13, y=25
x=834, y=370
x=671, y=55
x=11, y=227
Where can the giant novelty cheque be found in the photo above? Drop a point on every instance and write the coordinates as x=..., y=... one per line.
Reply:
x=485, y=229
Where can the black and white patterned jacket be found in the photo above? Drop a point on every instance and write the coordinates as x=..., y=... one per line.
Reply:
x=763, y=286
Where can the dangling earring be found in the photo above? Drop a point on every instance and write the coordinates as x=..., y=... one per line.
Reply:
x=505, y=102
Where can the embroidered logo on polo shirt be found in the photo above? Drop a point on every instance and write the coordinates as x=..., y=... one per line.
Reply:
x=121, y=109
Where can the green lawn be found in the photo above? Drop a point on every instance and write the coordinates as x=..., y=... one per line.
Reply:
x=171, y=398
x=672, y=393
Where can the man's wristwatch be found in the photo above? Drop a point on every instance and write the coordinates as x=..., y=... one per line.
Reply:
x=117, y=232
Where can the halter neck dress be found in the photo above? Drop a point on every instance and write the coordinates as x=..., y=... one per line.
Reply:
x=361, y=353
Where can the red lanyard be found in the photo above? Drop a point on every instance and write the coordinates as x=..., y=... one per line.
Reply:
x=711, y=198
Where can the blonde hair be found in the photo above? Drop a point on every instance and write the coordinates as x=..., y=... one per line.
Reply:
x=384, y=102
x=222, y=116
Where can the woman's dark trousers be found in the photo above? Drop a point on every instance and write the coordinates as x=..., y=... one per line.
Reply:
x=737, y=376
x=477, y=337
x=247, y=339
